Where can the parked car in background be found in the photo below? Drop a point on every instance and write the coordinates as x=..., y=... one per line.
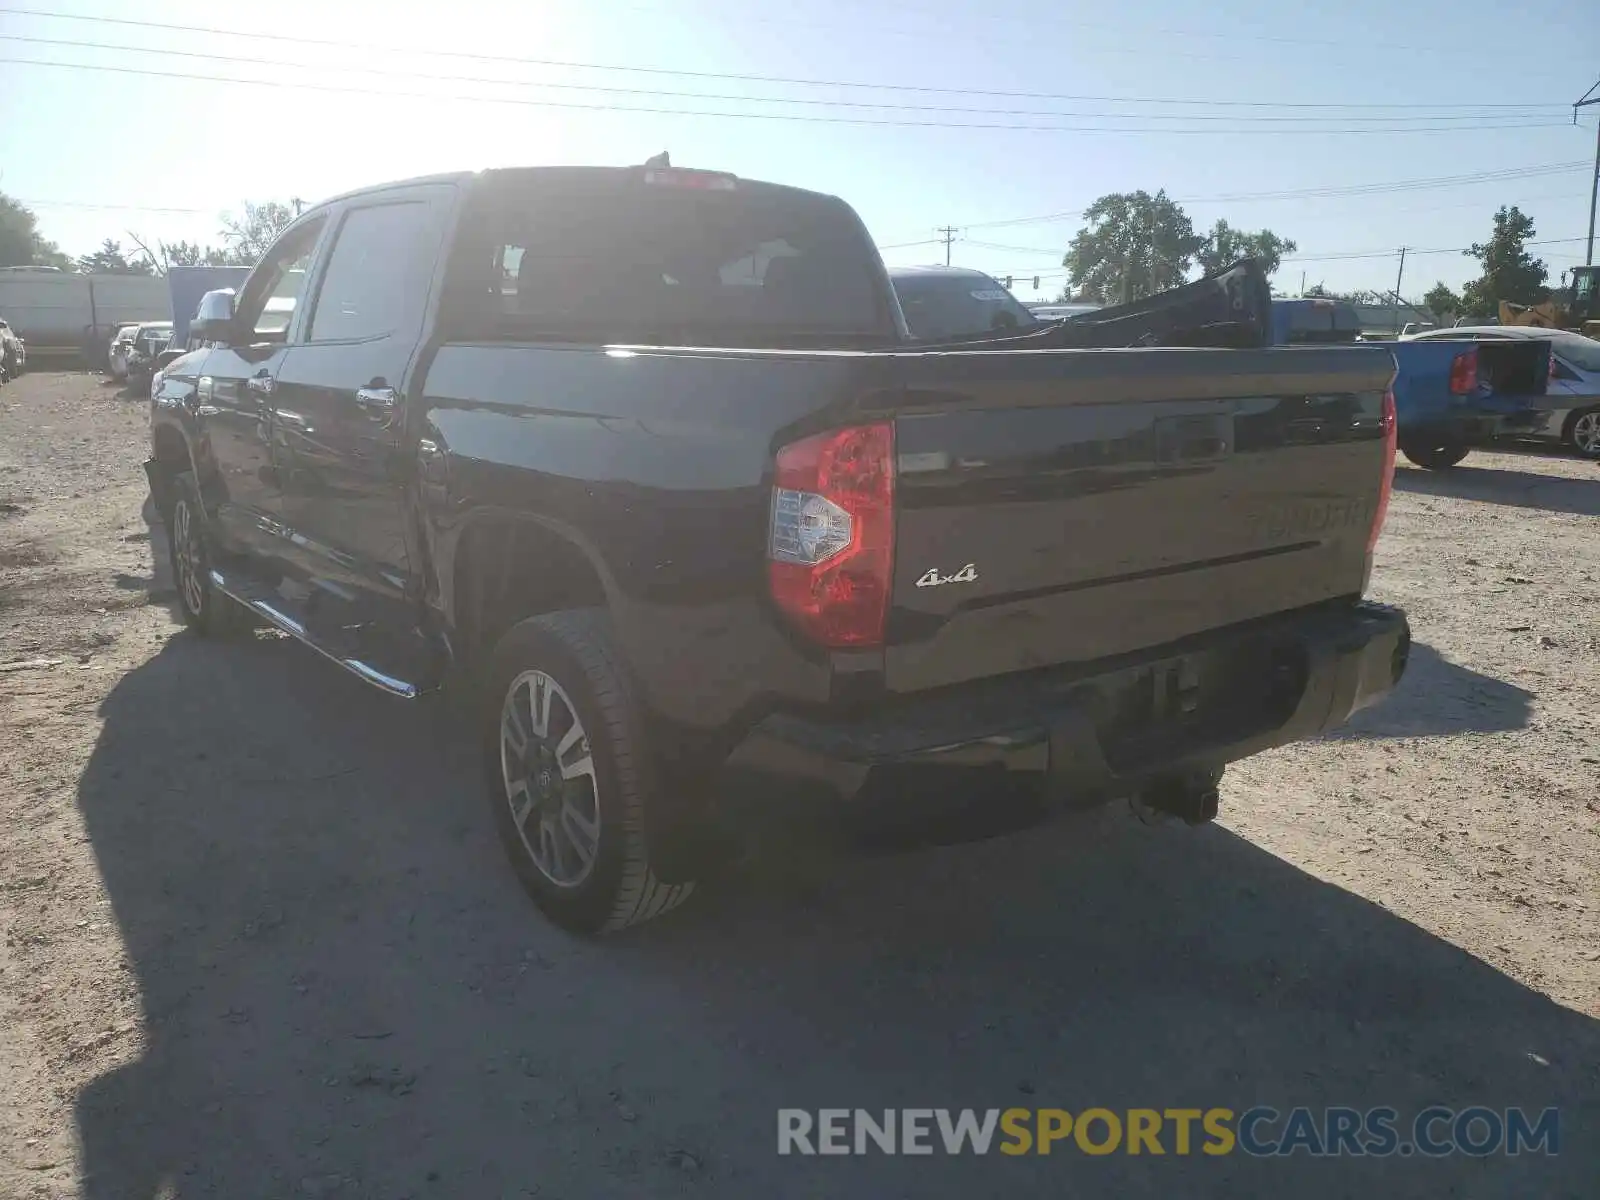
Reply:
x=1454, y=391
x=1573, y=394
x=941, y=303
x=1061, y=312
x=13, y=353
x=1314, y=320
x=149, y=340
x=117, y=350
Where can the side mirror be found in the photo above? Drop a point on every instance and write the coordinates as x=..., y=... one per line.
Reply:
x=213, y=320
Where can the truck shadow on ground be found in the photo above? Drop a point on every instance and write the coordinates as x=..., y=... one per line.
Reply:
x=1437, y=698
x=1552, y=493
x=346, y=993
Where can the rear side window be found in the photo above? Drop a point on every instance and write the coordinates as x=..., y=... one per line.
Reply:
x=374, y=273
x=623, y=260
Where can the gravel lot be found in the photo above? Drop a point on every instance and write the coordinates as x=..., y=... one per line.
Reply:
x=259, y=940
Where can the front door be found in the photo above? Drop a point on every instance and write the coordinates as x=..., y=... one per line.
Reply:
x=235, y=396
x=339, y=408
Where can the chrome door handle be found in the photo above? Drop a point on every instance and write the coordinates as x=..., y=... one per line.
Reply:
x=378, y=403
x=375, y=397
x=262, y=385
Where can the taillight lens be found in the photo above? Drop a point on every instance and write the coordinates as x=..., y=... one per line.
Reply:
x=1388, y=424
x=830, y=548
x=1464, y=373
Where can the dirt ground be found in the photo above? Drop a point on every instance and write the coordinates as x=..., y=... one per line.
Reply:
x=259, y=940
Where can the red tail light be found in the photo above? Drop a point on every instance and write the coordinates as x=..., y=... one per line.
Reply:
x=831, y=543
x=1388, y=424
x=1464, y=373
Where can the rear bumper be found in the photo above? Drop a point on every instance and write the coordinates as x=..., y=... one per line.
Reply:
x=1090, y=736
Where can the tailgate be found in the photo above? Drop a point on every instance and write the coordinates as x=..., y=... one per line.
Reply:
x=1513, y=374
x=1057, y=507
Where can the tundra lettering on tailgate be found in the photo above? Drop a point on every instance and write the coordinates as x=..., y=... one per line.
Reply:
x=1276, y=522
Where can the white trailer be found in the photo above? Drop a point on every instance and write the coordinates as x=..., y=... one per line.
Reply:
x=62, y=312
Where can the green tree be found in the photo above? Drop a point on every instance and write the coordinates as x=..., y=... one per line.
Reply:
x=110, y=260
x=21, y=244
x=1441, y=301
x=246, y=238
x=1225, y=244
x=166, y=255
x=1509, y=271
x=1133, y=246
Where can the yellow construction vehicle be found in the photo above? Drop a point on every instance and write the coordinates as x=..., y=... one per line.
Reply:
x=1578, y=310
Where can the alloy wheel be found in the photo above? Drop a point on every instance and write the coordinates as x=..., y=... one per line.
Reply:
x=549, y=778
x=189, y=557
x=1586, y=433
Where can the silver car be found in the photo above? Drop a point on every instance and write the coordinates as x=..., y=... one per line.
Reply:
x=117, y=350
x=1574, y=389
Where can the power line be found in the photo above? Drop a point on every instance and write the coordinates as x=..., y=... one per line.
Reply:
x=154, y=208
x=147, y=208
x=1229, y=35
x=1327, y=192
x=1523, y=200
x=1304, y=122
x=566, y=105
x=1341, y=256
x=908, y=245
x=434, y=52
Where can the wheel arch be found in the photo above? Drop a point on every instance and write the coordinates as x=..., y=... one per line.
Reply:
x=171, y=455
x=509, y=566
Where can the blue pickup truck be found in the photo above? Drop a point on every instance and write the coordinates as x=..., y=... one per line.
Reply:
x=1450, y=394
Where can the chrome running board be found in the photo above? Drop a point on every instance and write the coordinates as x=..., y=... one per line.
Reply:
x=281, y=620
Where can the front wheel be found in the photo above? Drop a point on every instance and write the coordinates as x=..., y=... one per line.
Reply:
x=1583, y=432
x=204, y=609
x=569, y=775
x=1436, y=453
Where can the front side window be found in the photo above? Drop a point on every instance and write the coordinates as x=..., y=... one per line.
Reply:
x=277, y=286
x=378, y=265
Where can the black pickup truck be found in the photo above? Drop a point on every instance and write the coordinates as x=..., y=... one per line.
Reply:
x=646, y=457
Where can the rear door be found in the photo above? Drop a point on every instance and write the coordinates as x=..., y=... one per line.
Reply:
x=339, y=402
x=1070, y=506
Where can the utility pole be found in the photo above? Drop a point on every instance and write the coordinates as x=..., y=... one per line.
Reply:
x=949, y=232
x=1302, y=284
x=298, y=203
x=1584, y=101
x=1397, y=280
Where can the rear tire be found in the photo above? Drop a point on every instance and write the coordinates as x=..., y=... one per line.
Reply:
x=1435, y=454
x=569, y=773
x=204, y=609
x=1583, y=432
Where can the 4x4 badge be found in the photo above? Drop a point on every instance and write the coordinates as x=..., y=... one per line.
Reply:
x=967, y=574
